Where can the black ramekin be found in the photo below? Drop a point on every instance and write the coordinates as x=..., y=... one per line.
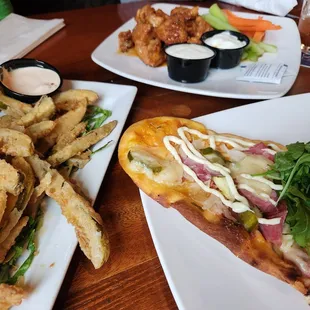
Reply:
x=22, y=63
x=226, y=58
x=188, y=70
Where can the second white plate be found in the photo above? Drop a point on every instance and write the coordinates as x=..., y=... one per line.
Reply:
x=56, y=239
x=219, y=83
x=201, y=272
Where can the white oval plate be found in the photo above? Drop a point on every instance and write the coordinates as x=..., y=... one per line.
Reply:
x=219, y=83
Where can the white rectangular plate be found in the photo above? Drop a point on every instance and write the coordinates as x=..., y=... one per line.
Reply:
x=219, y=83
x=57, y=240
x=201, y=272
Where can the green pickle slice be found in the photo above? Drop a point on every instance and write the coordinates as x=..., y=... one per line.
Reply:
x=212, y=155
x=249, y=220
x=134, y=157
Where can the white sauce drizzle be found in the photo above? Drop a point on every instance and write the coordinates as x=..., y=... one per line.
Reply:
x=241, y=204
x=272, y=152
x=274, y=221
x=212, y=142
x=236, y=143
x=263, y=180
x=219, y=168
x=275, y=147
x=190, y=172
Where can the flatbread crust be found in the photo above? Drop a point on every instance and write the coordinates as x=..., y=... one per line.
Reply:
x=250, y=247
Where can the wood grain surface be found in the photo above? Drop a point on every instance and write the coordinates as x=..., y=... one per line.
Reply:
x=133, y=277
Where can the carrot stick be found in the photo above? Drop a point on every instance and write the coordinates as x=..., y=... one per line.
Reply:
x=255, y=28
x=246, y=24
x=249, y=34
x=258, y=36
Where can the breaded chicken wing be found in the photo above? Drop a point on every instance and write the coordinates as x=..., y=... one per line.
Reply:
x=125, y=41
x=195, y=29
x=147, y=45
x=172, y=30
x=185, y=13
x=147, y=14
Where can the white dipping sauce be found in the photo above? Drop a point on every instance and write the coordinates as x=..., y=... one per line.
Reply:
x=225, y=40
x=31, y=80
x=189, y=51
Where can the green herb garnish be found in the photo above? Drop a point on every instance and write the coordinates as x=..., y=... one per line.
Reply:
x=293, y=167
x=95, y=117
x=25, y=238
x=101, y=148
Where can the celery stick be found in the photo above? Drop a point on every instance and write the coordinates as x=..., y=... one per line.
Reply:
x=217, y=12
x=244, y=55
x=217, y=23
x=252, y=56
x=255, y=48
x=269, y=48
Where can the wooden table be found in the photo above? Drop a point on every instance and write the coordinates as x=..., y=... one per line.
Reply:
x=133, y=277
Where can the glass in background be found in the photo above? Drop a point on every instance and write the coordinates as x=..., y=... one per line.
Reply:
x=304, y=27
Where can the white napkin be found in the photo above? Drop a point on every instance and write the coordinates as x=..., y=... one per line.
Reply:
x=19, y=35
x=276, y=7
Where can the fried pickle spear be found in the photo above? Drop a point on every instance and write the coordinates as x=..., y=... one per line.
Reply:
x=15, y=143
x=67, y=100
x=78, y=211
x=8, y=121
x=3, y=202
x=69, y=136
x=43, y=110
x=40, y=130
x=20, y=107
x=11, y=180
x=64, y=124
x=23, y=198
x=80, y=161
x=81, y=144
x=10, y=295
x=6, y=245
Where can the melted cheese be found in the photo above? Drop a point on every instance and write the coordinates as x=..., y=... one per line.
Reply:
x=295, y=254
x=171, y=172
x=190, y=172
x=240, y=203
x=263, y=180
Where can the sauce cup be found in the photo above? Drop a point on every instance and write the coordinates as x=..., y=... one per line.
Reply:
x=187, y=62
x=226, y=58
x=45, y=82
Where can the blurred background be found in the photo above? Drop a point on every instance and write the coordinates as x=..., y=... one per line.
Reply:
x=28, y=7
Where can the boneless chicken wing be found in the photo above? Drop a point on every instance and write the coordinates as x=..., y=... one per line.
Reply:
x=196, y=28
x=155, y=28
x=147, y=45
x=147, y=14
x=172, y=30
x=125, y=41
x=185, y=13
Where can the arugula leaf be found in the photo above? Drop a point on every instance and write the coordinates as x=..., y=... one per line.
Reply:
x=271, y=174
x=26, y=237
x=4, y=273
x=101, y=148
x=26, y=264
x=293, y=166
x=95, y=117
